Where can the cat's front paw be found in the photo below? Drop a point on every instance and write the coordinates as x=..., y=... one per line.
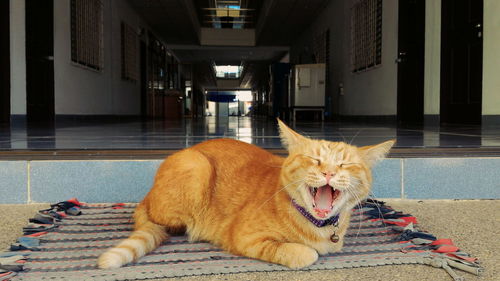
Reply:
x=297, y=256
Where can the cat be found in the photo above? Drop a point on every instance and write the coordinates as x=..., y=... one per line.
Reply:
x=252, y=203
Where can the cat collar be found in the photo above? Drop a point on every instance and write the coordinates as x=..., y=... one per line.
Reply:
x=319, y=223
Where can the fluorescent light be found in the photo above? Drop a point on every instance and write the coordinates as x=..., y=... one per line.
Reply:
x=244, y=95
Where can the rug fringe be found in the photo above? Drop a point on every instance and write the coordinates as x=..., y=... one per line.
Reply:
x=448, y=265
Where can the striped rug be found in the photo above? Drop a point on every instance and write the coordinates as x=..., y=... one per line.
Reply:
x=70, y=251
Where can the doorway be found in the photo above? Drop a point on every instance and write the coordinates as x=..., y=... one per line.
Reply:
x=461, y=61
x=40, y=61
x=411, y=59
x=4, y=63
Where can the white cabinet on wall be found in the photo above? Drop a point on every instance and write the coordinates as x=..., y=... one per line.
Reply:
x=309, y=88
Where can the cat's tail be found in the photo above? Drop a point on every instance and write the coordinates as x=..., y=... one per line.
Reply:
x=146, y=237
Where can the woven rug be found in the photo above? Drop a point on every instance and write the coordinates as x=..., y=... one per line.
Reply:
x=378, y=235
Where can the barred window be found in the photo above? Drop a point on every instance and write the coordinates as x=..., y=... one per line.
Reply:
x=129, y=52
x=87, y=33
x=320, y=48
x=366, y=34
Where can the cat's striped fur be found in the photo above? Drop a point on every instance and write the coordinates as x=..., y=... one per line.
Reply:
x=238, y=197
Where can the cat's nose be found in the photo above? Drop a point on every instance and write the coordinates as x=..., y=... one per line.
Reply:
x=328, y=176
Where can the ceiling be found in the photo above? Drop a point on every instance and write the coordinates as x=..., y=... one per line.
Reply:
x=277, y=24
x=227, y=55
x=175, y=21
x=282, y=21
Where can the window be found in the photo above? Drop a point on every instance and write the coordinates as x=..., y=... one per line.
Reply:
x=320, y=47
x=366, y=34
x=129, y=52
x=228, y=71
x=157, y=64
x=229, y=16
x=156, y=76
x=86, y=33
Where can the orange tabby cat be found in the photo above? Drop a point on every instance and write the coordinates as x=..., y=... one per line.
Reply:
x=253, y=203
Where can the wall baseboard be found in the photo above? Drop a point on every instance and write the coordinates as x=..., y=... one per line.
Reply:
x=370, y=119
x=431, y=120
x=102, y=118
x=21, y=119
x=488, y=120
x=18, y=119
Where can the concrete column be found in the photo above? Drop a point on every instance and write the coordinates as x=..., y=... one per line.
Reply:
x=432, y=72
x=18, y=57
x=491, y=59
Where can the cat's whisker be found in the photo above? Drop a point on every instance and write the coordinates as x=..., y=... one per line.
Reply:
x=350, y=188
x=355, y=135
x=356, y=197
x=381, y=215
x=342, y=220
x=378, y=208
x=342, y=135
x=377, y=205
x=303, y=133
x=279, y=190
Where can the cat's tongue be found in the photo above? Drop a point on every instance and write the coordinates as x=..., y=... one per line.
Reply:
x=323, y=200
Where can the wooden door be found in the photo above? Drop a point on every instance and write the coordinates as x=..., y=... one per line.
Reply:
x=411, y=54
x=40, y=60
x=461, y=61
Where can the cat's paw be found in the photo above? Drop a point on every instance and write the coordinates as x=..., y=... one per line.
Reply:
x=298, y=256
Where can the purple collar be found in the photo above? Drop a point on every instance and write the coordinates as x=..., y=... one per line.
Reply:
x=311, y=218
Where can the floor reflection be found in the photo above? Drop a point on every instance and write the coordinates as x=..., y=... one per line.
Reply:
x=5, y=138
x=77, y=134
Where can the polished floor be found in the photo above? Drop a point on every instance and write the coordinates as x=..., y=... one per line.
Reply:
x=152, y=135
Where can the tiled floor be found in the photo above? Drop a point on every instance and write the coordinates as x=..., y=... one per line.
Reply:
x=262, y=132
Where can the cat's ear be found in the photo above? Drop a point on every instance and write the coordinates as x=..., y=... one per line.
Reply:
x=374, y=153
x=289, y=138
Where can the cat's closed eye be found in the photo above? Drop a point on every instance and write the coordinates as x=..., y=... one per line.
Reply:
x=315, y=160
x=341, y=165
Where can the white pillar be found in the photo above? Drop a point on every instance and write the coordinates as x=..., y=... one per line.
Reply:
x=17, y=57
x=491, y=59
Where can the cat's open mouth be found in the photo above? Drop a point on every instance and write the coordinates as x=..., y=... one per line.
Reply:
x=324, y=198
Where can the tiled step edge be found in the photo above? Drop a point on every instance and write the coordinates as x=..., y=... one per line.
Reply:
x=32, y=181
